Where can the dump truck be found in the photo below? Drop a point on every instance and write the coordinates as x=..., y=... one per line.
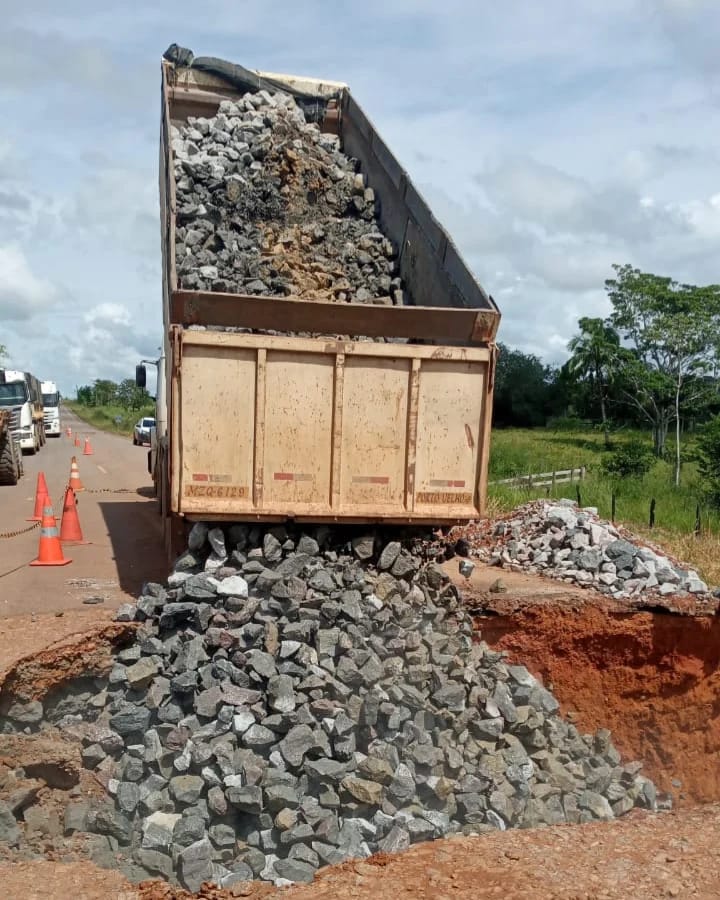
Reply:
x=11, y=465
x=21, y=394
x=51, y=408
x=277, y=402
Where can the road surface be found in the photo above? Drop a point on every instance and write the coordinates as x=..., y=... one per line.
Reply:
x=118, y=516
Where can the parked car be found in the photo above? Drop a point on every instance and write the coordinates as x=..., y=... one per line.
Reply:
x=141, y=432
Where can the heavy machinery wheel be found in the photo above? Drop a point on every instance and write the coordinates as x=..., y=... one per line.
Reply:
x=9, y=464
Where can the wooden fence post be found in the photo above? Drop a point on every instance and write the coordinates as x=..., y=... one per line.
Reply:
x=577, y=492
x=612, y=508
x=651, y=522
x=698, y=522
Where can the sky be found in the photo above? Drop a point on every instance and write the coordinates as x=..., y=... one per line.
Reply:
x=551, y=139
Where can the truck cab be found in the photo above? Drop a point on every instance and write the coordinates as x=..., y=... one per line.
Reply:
x=16, y=395
x=51, y=408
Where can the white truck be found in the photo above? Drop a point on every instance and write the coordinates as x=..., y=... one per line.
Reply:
x=20, y=394
x=51, y=408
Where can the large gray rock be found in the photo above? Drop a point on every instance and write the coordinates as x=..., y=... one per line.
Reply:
x=295, y=870
x=9, y=830
x=157, y=830
x=186, y=788
x=28, y=712
x=195, y=864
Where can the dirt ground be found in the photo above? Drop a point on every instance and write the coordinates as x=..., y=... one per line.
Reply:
x=651, y=676
x=653, y=679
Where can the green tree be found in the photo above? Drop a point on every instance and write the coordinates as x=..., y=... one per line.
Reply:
x=673, y=329
x=708, y=454
x=104, y=392
x=85, y=395
x=131, y=396
x=524, y=389
x=595, y=357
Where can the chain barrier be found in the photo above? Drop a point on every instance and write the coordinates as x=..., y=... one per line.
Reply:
x=108, y=491
x=11, y=534
x=6, y=535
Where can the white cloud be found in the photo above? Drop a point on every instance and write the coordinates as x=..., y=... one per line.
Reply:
x=22, y=292
x=109, y=313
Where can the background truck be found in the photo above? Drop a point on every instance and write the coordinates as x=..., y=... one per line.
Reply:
x=11, y=467
x=21, y=395
x=272, y=408
x=51, y=408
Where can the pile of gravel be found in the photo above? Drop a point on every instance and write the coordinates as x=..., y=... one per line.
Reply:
x=288, y=703
x=268, y=204
x=574, y=545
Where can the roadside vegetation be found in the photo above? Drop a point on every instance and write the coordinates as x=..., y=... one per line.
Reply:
x=637, y=404
x=112, y=407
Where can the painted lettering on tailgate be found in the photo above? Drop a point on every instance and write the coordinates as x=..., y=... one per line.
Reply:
x=217, y=491
x=444, y=497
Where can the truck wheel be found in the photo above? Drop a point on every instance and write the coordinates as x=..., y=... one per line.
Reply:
x=9, y=468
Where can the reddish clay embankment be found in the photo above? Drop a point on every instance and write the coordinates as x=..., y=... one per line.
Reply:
x=652, y=678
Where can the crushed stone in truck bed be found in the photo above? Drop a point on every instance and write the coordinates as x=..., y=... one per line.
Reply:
x=268, y=204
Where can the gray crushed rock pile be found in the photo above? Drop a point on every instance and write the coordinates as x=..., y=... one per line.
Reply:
x=574, y=545
x=268, y=204
x=289, y=703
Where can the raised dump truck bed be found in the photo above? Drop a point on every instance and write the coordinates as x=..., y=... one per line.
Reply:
x=268, y=426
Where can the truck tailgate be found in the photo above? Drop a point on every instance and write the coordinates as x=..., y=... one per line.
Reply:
x=282, y=427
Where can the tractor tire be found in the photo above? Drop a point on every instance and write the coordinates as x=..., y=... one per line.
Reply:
x=9, y=465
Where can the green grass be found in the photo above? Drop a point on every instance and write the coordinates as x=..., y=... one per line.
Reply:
x=103, y=417
x=522, y=451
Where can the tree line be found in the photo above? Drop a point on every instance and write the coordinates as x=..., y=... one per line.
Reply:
x=109, y=393
x=653, y=363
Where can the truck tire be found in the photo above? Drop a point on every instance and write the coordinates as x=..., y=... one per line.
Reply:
x=9, y=467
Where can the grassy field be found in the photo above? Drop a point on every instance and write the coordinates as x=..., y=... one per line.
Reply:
x=104, y=417
x=524, y=451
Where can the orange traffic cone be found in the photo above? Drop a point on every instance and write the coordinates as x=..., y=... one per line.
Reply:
x=70, y=530
x=50, y=552
x=78, y=443
x=88, y=450
x=75, y=482
x=42, y=498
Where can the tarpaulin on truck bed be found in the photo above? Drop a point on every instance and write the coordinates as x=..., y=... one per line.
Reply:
x=247, y=81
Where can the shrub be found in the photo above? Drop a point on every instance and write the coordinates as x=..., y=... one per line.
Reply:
x=631, y=460
x=708, y=457
x=568, y=423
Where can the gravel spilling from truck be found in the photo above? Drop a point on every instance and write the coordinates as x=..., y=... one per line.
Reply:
x=268, y=204
x=289, y=702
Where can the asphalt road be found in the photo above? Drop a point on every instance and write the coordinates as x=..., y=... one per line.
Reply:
x=118, y=516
